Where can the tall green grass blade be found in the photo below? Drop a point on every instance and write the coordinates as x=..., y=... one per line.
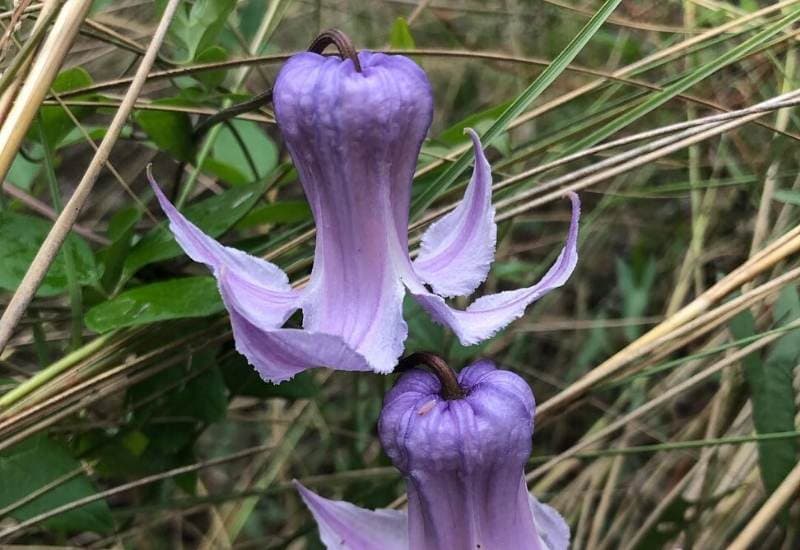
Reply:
x=521, y=103
x=683, y=84
x=771, y=392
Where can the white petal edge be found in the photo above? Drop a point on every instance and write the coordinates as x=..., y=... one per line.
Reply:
x=553, y=530
x=491, y=313
x=344, y=526
x=457, y=250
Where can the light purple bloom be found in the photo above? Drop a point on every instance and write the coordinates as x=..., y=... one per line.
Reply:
x=354, y=138
x=463, y=461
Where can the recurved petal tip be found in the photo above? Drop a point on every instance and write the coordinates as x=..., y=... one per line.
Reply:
x=344, y=526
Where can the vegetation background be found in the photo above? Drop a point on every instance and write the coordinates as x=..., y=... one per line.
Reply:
x=665, y=370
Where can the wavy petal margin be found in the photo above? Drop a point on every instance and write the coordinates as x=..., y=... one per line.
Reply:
x=458, y=250
x=488, y=314
x=344, y=526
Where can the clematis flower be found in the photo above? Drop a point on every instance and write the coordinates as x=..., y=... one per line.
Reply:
x=461, y=446
x=354, y=134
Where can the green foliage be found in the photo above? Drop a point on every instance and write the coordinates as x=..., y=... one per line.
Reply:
x=170, y=131
x=232, y=163
x=38, y=461
x=400, y=36
x=771, y=391
x=277, y=212
x=635, y=292
x=21, y=237
x=56, y=123
x=214, y=215
x=521, y=102
x=242, y=379
x=197, y=26
x=162, y=301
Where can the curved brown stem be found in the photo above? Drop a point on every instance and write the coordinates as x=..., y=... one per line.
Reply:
x=447, y=377
x=342, y=43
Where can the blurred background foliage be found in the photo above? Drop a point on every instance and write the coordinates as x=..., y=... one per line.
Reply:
x=127, y=419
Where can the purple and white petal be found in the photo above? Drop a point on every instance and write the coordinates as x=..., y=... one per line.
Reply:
x=204, y=249
x=354, y=138
x=343, y=526
x=279, y=353
x=457, y=250
x=553, y=530
x=488, y=314
x=463, y=459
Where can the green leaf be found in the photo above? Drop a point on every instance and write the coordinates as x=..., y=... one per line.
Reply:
x=788, y=196
x=214, y=216
x=212, y=54
x=228, y=152
x=22, y=235
x=276, y=212
x=520, y=103
x=480, y=121
x=56, y=123
x=242, y=379
x=170, y=131
x=660, y=97
x=173, y=299
x=771, y=392
x=400, y=36
x=38, y=461
x=198, y=27
x=121, y=230
x=635, y=291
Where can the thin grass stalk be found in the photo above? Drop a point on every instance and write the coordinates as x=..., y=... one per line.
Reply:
x=78, y=503
x=771, y=508
x=55, y=238
x=595, y=437
x=41, y=75
x=738, y=277
x=9, y=90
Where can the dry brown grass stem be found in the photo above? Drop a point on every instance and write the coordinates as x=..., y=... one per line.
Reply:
x=51, y=245
x=656, y=402
x=41, y=75
x=684, y=129
x=638, y=156
x=677, y=322
x=628, y=70
x=146, y=480
x=10, y=93
x=47, y=211
x=771, y=508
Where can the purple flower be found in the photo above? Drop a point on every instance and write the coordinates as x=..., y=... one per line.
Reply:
x=354, y=138
x=463, y=461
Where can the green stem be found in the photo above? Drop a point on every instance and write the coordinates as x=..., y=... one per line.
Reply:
x=45, y=375
x=70, y=263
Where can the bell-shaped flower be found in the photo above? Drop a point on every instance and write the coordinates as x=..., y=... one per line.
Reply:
x=462, y=453
x=354, y=137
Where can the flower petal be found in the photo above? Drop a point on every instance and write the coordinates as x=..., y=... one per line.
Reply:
x=343, y=526
x=354, y=138
x=553, y=530
x=457, y=250
x=279, y=353
x=202, y=248
x=488, y=314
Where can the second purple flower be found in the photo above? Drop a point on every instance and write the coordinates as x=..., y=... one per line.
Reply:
x=354, y=136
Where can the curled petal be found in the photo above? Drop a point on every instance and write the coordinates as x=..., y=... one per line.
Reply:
x=343, y=526
x=279, y=353
x=202, y=248
x=553, y=530
x=457, y=250
x=463, y=459
x=488, y=314
x=354, y=138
